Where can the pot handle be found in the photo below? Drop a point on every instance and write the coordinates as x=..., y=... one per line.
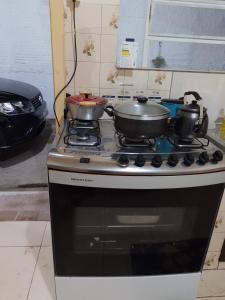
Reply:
x=142, y=99
x=195, y=94
x=109, y=110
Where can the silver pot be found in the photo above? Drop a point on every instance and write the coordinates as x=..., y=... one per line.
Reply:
x=138, y=120
x=86, y=108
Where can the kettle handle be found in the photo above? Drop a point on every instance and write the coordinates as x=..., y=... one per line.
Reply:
x=193, y=93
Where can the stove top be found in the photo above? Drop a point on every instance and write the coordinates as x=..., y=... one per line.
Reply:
x=95, y=147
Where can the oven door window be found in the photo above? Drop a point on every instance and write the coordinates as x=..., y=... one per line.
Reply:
x=103, y=232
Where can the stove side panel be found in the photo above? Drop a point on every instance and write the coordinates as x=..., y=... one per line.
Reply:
x=182, y=287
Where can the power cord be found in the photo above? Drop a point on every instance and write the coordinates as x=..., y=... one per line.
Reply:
x=75, y=63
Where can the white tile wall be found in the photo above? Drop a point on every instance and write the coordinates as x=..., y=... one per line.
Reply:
x=108, y=48
x=88, y=47
x=97, y=20
x=88, y=17
x=87, y=75
x=110, y=19
x=210, y=86
x=110, y=77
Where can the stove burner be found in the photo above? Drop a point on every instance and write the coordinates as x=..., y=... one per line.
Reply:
x=83, y=133
x=194, y=144
x=140, y=143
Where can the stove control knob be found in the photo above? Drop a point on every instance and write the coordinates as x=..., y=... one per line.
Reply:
x=217, y=156
x=203, y=158
x=140, y=161
x=123, y=161
x=173, y=160
x=157, y=161
x=189, y=159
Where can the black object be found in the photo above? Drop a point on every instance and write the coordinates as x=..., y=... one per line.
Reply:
x=132, y=248
x=217, y=156
x=203, y=158
x=22, y=112
x=84, y=160
x=123, y=160
x=139, y=120
x=140, y=161
x=189, y=159
x=173, y=160
x=157, y=161
x=189, y=123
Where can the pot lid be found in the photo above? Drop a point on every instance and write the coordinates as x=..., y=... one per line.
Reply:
x=143, y=111
x=81, y=99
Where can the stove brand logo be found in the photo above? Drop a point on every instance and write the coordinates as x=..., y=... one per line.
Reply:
x=82, y=179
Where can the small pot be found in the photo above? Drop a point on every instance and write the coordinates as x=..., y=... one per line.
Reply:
x=140, y=120
x=85, y=107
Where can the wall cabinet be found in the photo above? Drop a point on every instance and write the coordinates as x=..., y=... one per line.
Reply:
x=172, y=34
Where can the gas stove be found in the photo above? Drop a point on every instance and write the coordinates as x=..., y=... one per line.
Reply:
x=96, y=147
x=138, y=214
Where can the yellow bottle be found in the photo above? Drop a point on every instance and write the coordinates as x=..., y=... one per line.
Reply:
x=222, y=130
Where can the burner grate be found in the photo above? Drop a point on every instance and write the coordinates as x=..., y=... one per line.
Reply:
x=123, y=141
x=83, y=133
x=196, y=143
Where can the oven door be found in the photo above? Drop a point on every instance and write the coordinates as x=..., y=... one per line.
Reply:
x=115, y=232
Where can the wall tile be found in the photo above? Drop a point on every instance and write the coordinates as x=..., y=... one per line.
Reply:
x=69, y=46
x=69, y=66
x=216, y=242
x=211, y=261
x=222, y=205
x=88, y=18
x=222, y=265
x=108, y=48
x=110, y=76
x=136, y=79
x=68, y=25
x=87, y=75
x=85, y=89
x=112, y=92
x=70, y=90
x=88, y=47
x=159, y=80
x=158, y=93
x=212, y=283
x=220, y=222
x=110, y=19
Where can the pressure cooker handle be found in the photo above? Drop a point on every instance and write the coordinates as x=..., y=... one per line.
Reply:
x=195, y=94
x=142, y=99
x=109, y=110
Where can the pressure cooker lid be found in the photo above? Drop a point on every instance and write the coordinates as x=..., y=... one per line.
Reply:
x=142, y=111
x=81, y=99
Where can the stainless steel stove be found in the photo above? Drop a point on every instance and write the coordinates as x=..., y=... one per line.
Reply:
x=99, y=149
x=131, y=219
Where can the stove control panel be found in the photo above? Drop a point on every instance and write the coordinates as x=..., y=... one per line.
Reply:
x=172, y=160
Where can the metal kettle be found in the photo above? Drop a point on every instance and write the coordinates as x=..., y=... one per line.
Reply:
x=191, y=120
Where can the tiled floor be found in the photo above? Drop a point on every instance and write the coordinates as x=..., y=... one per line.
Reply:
x=26, y=267
x=24, y=205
